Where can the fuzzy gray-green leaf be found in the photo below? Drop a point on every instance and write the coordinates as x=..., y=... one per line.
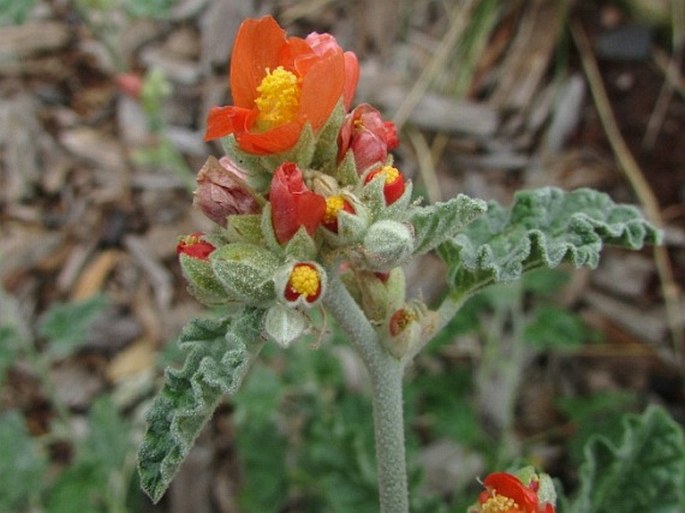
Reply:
x=644, y=472
x=437, y=223
x=219, y=354
x=543, y=228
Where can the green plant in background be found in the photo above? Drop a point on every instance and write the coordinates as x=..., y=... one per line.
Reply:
x=314, y=221
x=100, y=470
x=14, y=12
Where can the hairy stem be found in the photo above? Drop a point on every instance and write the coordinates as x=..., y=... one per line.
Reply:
x=386, y=378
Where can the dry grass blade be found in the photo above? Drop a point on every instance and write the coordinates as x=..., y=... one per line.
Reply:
x=460, y=17
x=636, y=178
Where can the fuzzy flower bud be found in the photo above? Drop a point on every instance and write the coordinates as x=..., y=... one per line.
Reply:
x=394, y=185
x=222, y=191
x=387, y=244
x=193, y=255
x=246, y=272
x=368, y=137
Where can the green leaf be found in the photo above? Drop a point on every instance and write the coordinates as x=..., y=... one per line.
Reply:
x=22, y=466
x=644, y=472
x=543, y=228
x=220, y=353
x=437, y=223
x=66, y=325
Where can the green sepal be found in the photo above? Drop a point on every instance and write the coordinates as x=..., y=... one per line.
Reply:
x=246, y=271
x=437, y=223
x=645, y=471
x=326, y=150
x=202, y=283
x=346, y=172
x=373, y=197
x=268, y=232
x=543, y=228
x=219, y=356
x=351, y=226
x=245, y=228
x=301, y=246
x=285, y=325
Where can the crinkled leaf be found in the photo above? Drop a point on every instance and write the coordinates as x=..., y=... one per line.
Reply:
x=543, y=228
x=437, y=223
x=644, y=472
x=220, y=352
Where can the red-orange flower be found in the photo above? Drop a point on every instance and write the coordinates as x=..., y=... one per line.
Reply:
x=194, y=246
x=304, y=282
x=394, y=185
x=279, y=84
x=505, y=493
x=293, y=204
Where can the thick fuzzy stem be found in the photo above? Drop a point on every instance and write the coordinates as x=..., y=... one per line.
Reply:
x=386, y=377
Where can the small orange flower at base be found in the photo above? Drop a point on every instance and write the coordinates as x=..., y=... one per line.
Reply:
x=400, y=320
x=506, y=493
x=394, y=183
x=304, y=282
x=194, y=246
x=334, y=204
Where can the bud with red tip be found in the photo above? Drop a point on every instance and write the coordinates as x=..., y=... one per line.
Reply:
x=367, y=136
x=394, y=184
x=505, y=492
x=292, y=203
x=194, y=246
x=334, y=204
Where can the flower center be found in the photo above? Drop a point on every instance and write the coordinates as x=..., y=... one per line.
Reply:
x=279, y=98
x=304, y=280
x=334, y=204
x=391, y=174
x=500, y=504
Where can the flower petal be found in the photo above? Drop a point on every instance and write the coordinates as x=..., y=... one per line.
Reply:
x=258, y=47
x=276, y=140
x=222, y=121
x=322, y=88
x=510, y=486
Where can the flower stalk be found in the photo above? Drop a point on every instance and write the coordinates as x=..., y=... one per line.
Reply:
x=386, y=374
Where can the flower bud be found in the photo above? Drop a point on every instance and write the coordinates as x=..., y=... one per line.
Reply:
x=246, y=271
x=507, y=492
x=193, y=254
x=194, y=246
x=301, y=284
x=394, y=185
x=222, y=191
x=293, y=204
x=368, y=137
x=387, y=244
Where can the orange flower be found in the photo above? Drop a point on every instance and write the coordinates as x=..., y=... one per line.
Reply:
x=505, y=493
x=279, y=84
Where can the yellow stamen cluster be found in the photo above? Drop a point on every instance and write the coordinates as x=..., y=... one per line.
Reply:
x=391, y=174
x=304, y=280
x=279, y=98
x=500, y=504
x=334, y=204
